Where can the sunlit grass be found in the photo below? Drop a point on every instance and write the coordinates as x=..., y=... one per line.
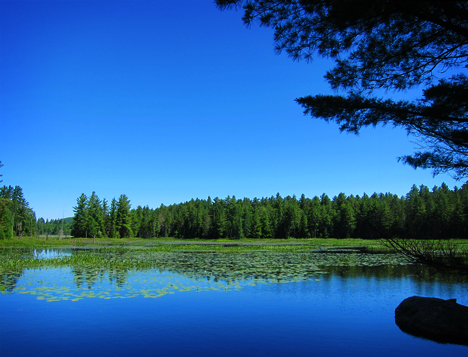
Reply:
x=314, y=243
x=228, y=265
x=239, y=258
x=205, y=245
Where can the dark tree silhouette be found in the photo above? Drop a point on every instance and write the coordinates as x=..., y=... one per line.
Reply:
x=380, y=44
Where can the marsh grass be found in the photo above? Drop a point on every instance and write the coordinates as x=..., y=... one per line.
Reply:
x=75, y=269
x=224, y=259
x=192, y=244
x=217, y=259
x=207, y=265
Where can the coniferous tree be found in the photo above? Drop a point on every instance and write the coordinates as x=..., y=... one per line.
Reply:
x=381, y=44
x=165, y=219
x=256, y=224
x=92, y=227
x=247, y=218
x=235, y=222
x=314, y=217
x=397, y=209
x=415, y=213
x=205, y=219
x=292, y=217
x=21, y=216
x=6, y=220
x=303, y=226
x=155, y=224
x=219, y=223
x=267, y=222
x=123, y=218
x=104, y=217
x=111, y=222
x=420, y=214
x=80, y=219
x=137, y=220
x=95, y=221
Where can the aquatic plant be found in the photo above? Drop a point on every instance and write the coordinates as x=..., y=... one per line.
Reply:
x=207, y=267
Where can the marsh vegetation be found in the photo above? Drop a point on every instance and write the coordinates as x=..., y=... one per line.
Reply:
x=302, y=292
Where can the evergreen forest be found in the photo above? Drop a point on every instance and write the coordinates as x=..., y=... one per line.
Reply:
x=422, y=213
x=16, y=217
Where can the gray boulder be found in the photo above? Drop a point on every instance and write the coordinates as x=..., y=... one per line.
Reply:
x=443, y=321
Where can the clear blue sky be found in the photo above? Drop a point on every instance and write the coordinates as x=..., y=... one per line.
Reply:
x=165, y=101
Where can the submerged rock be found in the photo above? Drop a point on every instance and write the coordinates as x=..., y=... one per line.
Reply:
x=443, y=321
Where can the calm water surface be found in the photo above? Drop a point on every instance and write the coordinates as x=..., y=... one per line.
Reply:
x=349, y=311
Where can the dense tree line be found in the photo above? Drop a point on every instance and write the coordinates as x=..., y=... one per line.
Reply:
x=96, y=218
x=16, y=217
x=422, y=213
x=54, y=226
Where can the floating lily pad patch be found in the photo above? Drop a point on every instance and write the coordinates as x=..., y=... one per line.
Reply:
x=110, y=274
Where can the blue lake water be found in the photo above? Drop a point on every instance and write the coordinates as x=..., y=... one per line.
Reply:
x=349, y=311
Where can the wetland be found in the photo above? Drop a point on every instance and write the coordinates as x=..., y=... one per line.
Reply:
x=212, y=300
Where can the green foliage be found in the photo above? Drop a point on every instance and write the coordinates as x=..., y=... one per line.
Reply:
x=16, y=217
x=443, y=132
x=81, y=217
x=53, y=227
x=6, y=224
x=421, y=214
x=380, y=44
x=440, y=254
x=95, y=223
x=123, y=217
x=222, y=264
x=222, y=270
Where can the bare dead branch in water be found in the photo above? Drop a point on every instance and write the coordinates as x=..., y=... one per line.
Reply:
x=440, y=254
